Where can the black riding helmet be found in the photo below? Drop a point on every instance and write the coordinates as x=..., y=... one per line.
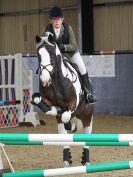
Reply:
x=56, y=12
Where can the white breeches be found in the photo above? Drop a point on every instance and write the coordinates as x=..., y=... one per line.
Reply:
x=77, y=59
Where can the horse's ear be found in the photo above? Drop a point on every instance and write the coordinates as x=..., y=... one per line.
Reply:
x=38, y=39
x=51, y=38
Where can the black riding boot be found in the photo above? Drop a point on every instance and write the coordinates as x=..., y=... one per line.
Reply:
x=87, y=89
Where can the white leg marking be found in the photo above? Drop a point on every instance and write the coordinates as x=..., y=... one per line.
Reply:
x=52, y=112
x=66, y=116
x=88, y=130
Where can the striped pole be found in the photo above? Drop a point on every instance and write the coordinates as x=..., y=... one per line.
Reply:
x=73, y=170
x=68, y=137
x=67, y=143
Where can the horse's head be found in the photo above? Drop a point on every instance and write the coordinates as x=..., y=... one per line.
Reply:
x=47, y=51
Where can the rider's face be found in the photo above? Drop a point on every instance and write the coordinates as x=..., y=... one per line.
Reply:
x=56, y=22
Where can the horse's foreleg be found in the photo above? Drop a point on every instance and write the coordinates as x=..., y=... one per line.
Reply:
x=37, y=101
x=66, y=149
x=85, y=153
x=70, y=107
x=49, y=110
x=66, y=116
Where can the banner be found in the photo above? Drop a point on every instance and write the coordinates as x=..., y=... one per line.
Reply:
x=100, y=65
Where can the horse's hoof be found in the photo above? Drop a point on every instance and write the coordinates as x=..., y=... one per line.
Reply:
x=52, y=112
x=87, y=163
x=67, y=157
x=85, y=157
x=67, y=164
x=37, y=100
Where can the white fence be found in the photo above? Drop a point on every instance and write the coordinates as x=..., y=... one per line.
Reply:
x=15, y=91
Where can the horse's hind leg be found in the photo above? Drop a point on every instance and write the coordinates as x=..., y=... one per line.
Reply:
x=66, y=149
x=71, y=127
x=85, y=153
x=67, y=156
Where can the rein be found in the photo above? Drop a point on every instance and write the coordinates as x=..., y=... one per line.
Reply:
x=66, y=61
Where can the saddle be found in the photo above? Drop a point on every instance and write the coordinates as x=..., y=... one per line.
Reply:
x=88, y=96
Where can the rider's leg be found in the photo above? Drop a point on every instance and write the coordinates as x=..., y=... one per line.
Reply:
x=76, y=58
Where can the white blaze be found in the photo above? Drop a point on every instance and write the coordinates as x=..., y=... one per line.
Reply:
x=45, y=61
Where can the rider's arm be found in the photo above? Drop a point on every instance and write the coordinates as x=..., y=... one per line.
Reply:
x=72, y=45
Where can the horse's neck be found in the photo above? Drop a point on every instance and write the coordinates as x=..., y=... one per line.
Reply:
x=61, y=68
x=71, y=69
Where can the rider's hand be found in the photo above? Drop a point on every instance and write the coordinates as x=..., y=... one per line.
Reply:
x=61, y=46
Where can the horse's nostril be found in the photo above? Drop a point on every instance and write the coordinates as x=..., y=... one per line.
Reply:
x=48, y=83
x=42, y=82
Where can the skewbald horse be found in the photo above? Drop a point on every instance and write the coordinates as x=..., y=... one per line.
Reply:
x=61, y=92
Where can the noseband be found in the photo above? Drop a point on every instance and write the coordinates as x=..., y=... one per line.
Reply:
x=44, y=67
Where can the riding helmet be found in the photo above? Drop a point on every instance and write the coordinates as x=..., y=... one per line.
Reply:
x=55, y=12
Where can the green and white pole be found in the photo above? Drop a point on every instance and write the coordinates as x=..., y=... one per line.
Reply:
x=67, y=143
x=68, y=137
x=73, y=170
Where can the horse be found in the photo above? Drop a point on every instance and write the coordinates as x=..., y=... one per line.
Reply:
x=61, y=93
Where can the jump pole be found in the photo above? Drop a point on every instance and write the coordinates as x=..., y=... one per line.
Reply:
x=73, y=170
x=68, y=137
x=68, y=143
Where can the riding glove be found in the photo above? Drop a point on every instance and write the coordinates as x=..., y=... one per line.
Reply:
x=61, y=46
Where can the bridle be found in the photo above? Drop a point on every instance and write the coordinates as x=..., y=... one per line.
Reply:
x=53, y=64
x=45, y=67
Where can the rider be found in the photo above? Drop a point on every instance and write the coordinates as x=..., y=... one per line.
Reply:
x=65, y=39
